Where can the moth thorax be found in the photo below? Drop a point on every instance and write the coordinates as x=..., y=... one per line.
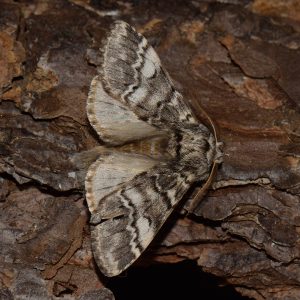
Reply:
x=154, y=147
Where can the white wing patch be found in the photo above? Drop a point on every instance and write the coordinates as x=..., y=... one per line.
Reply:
x=112, y=120
x=151, y=63
x=109, y=172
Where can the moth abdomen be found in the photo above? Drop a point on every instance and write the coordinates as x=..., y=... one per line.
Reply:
x=156, y=147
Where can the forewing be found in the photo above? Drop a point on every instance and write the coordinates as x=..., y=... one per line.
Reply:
x=112, y=120
x=131, y=72
x=128, y=218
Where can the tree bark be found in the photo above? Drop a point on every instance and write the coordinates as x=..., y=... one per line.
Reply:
x=240, y=60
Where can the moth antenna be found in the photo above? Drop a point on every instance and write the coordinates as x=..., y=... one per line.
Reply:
x=196, y=106
x=203, y=190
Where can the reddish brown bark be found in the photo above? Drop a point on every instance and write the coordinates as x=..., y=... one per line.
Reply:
x=240, y=61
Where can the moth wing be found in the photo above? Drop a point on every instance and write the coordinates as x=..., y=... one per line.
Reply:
x=107, y=174
x=130, y=215
x=112, y=120
x=131, y=72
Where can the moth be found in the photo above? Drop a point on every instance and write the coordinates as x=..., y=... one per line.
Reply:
x=155, y=149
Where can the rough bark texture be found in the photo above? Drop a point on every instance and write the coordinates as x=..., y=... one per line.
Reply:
x=239, y=59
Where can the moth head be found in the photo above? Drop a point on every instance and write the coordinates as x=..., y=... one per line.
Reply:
x=199, y=143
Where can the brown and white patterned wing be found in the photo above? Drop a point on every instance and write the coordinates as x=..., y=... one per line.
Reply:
x=112, y=120
x=131, y=72
x=126, y=215
x=108, y=173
